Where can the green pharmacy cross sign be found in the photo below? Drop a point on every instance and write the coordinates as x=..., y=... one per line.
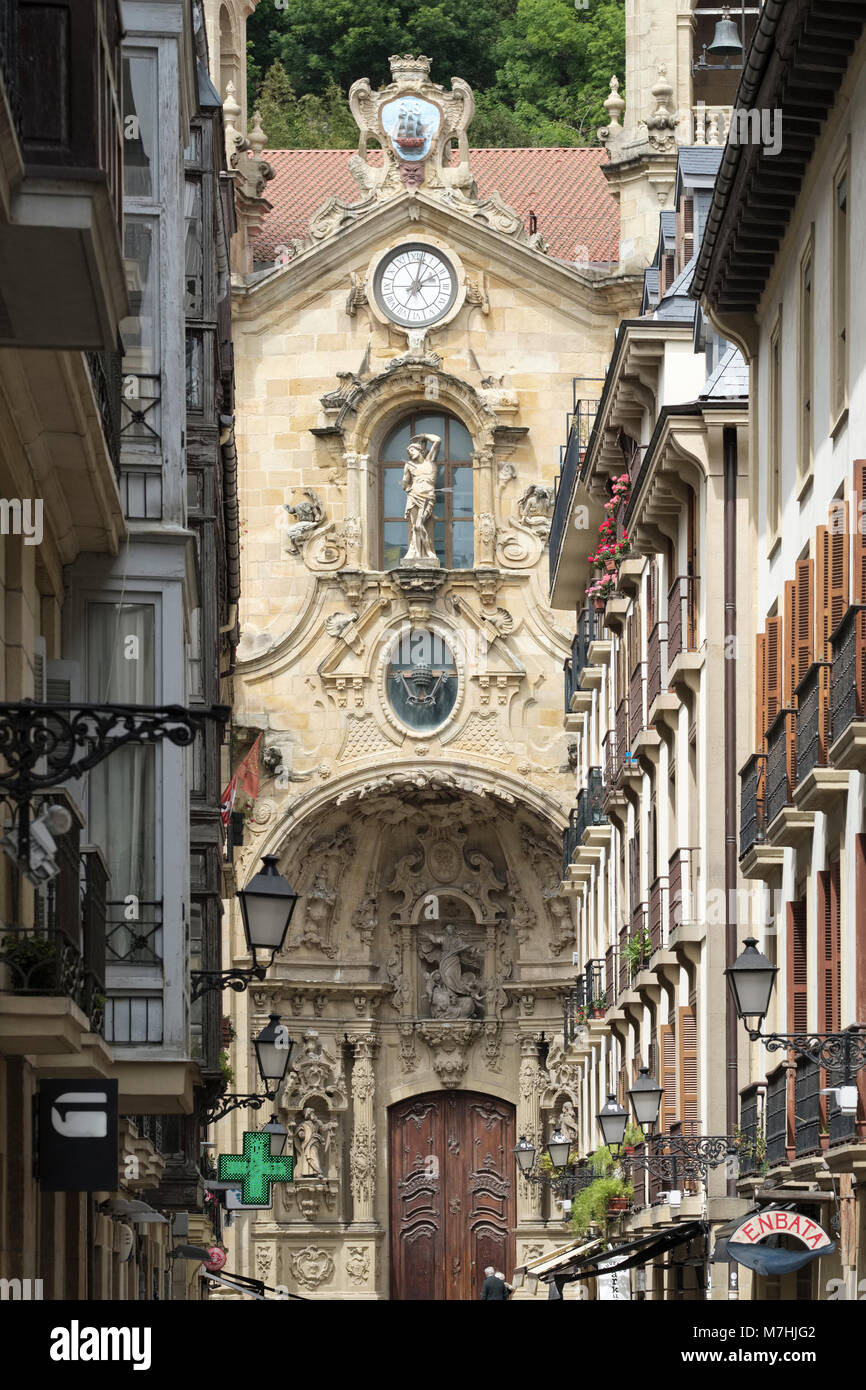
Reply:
x=255, y=1169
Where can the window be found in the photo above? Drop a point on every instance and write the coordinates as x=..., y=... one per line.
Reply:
x=122, y=789
x=774, y=433
x=805, y=440
x=194, y=250
x=133, y=1018
x=140, y=167
x=453, y=526
x=840, y=294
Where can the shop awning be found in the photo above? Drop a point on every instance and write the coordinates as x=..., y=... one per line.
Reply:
x=634, y=1252
x=769, y=1260
x=555, y=1259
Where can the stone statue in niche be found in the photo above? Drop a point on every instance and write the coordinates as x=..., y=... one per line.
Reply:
x=419, y=484
x=566, y=1122
x=312, y=1140
x=453, y=986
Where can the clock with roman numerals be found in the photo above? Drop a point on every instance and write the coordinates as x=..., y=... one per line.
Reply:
x=415, y=285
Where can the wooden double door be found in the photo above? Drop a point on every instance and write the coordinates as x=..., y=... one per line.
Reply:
x=452, y=1193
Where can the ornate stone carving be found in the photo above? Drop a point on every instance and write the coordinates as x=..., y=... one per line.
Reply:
x=535, y=509
x=452, y=991
x=362, y=1164
x=358, y=1264
x=312, y=1266
x=476, y=294
x=316, y=1074
x=559, y=915
x=481, y=734
x=311, y=517
x=365, y=918
x=499, y=398
x=662, y=124
x=350, y=389
x=408, y=1055
x=264, y=1262
x=342, y=625
x=357, y=295
x=493, y=1045
x=312, y=1138
x=364, y=736
x=449, y=1043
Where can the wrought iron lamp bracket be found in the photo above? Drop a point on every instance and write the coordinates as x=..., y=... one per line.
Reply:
x=233, y=1101
x=846, y=1050
x=239, y=980
x=675, y=1156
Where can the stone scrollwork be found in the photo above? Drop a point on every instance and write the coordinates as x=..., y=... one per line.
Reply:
x=358, y=1265
x=310, y=517
x=312, y=1266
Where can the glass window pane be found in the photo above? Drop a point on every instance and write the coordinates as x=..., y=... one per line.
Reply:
x=462, y=545
x=395, y=545
x=461, y=497
x=459, y=442
x=421, y=679
x=194, y=354
x=193, y=281
x=439, y=541
x=441, y=494
x=140, y=126
x=140, y=332
x=431, y=424
x=396, y=443
x=394, y=496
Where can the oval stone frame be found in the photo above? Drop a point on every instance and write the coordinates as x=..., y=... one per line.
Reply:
x=451, y=641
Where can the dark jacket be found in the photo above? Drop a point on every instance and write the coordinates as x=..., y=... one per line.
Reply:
x=494, y=1288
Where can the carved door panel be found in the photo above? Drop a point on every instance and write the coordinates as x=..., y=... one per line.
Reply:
x=452, y=1194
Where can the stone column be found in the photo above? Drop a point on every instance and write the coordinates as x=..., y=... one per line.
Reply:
x=362, y=1153
x=355, y=529
x=530, y=1195
x=485, y=529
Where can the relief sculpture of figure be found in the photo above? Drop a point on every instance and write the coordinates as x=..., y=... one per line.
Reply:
x=419, y=484
x=452, y=991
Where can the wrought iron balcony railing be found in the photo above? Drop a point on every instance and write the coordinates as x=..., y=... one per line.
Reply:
x=106, y=376
x=682, y=616
x=776, y=1116
x=753, y=803
x=658, y=909
x=751, y=1134
x=635, y=702
x=588, y=631
x=572, y=457
x=683, y=870
x=621, y=738
x=657, y=641
x=611, y=975
x=848, y=675
x=813, y=719
x=781, y=762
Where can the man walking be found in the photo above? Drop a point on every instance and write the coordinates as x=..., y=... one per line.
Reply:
x=493, y=1287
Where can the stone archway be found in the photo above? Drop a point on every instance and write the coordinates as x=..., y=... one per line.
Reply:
x=452, y=1210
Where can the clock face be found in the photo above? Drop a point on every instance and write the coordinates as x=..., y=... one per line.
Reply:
x=415, y=285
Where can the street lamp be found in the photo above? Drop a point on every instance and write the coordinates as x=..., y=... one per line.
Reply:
x=273, y=1053
x=278, y=1136
x=612, y=1121
x=646, y=1098
x=751, y=979
x=267, y=904
x=524, y=1152
x=558, y=1148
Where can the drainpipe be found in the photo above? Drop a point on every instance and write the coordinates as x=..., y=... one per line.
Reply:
x=729, y=451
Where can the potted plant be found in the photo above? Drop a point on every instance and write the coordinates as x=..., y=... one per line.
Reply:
x=32, y=961
x=599, y=1005
x=637, y=949
x=633, y=1136
x=603, y=1198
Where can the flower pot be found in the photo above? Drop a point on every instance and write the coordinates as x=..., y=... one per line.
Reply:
x=610, y=566
x=598, y=1013
x=598, y=604
x=617, y=1204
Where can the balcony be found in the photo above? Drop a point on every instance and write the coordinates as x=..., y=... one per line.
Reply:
x=579, y=433
x=64, y=284
x=636, y=721
x=817, y=783
x=848, y=691
x=584, y=998
x=786, y=825
x=654, y=663
x=753, y=803
x=684, y=659
x=752, y=1141
x=808, y=1108
x=588, y=813
x=684, y=927
x=54, y=985
x=658, y=912
x=611, y=975
x=776, y=1116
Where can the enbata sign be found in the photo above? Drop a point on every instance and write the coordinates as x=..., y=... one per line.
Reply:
x=778, y=1223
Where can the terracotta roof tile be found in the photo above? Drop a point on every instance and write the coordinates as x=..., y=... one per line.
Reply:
x=565, y=188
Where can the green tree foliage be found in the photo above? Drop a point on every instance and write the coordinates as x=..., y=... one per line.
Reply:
x=540, y=69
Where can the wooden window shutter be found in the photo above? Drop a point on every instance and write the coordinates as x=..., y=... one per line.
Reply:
x=798, y=981
x=859, y=537
x=838, y=568
x=790, y=634
x=760, y=689
x=774, y=669
x=829, y=954
x=668, y=1043
x=804, y=637
x=822, y=595
x=687, y=1033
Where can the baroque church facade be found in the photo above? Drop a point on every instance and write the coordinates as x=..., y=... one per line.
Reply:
x=405, y=366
